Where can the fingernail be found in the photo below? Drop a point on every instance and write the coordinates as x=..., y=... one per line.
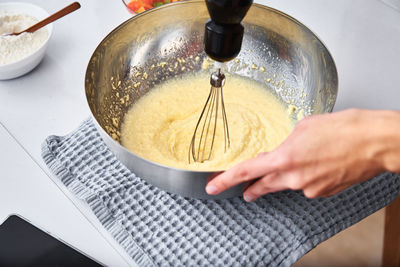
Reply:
x=211, y=190
x=248, y=198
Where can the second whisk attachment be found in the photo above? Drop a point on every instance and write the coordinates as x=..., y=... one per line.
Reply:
x=202, y=143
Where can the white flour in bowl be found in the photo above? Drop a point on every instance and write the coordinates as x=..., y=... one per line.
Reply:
x=14, y=48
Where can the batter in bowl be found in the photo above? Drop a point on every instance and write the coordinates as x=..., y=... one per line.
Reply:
x=160, y=125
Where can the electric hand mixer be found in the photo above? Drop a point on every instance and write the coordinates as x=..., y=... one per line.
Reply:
x=222, y=42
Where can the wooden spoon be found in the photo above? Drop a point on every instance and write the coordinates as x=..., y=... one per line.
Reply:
x=66, y=10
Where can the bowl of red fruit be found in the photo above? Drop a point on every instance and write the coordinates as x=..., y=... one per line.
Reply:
x=139, y=6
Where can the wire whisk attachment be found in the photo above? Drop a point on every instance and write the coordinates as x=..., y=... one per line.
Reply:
x=202, y=143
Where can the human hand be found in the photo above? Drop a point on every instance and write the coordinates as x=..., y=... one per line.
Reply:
x=322, y=156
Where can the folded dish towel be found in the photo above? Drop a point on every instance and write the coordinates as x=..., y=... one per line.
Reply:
x=161, y=229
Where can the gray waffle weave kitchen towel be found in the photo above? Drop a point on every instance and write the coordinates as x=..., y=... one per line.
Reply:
x=161, y=229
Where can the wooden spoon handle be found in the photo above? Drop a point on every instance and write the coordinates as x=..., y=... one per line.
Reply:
x=66, y=10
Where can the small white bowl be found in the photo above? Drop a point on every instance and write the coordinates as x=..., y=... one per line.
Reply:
x=28, y=63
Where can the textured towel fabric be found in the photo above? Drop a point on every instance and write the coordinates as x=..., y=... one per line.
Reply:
x=161, y=229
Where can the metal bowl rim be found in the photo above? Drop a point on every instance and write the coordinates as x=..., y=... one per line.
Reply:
x=184, y=3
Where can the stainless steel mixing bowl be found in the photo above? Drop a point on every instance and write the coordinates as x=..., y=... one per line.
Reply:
x=148, y=49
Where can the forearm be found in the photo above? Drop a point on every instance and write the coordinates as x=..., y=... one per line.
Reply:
x=390, y=122
x=372, y=139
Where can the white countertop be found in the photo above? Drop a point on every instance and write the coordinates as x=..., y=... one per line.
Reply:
x=362, y=35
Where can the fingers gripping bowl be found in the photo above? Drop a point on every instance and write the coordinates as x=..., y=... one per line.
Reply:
x=158, y=45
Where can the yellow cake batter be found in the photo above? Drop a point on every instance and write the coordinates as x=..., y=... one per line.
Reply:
x=159, y=127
